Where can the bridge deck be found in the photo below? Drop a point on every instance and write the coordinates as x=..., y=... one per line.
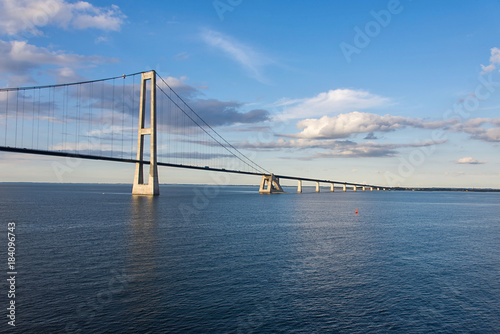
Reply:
x=95, y=157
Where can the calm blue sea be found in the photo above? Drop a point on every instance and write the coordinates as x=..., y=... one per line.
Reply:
x=206, y=259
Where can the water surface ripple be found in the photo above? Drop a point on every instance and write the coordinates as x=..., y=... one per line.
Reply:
x=202, y=259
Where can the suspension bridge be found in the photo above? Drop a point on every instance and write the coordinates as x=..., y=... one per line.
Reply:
x=137, y=118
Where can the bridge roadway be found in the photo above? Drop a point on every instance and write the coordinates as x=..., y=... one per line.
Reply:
x=207, y=168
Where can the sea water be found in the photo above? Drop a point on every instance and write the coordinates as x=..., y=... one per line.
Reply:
x=209, y=259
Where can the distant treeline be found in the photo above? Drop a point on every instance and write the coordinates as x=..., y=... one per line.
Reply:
x=448, y=189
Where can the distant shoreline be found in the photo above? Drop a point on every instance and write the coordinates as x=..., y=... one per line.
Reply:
x=448, y=189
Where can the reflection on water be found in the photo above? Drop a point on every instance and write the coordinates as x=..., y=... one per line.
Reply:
x=142, y=254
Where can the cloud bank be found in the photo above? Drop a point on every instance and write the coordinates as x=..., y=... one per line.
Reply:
x=336, y=148
x=346, y=125
x=331, y=102
x=469, y=161
x=20, y=59
x=484, y=129
x=20, y=19
x=18, y=16
x=213, y=111
x=494, y=61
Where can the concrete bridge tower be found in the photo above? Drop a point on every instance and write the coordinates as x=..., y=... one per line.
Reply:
x=152, y=186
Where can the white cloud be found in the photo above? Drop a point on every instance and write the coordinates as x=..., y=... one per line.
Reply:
x=348, y=149
x=250, y=59
x=27, y=16
x=336, y=148
x=345, y=125
x=485, y=129
x=213, y=111
x=470, y=161
x=494, y=61
x=68, y=147
x=84, y=15
x=182, y=56
x=110, y=130
x=101, y=39
x=331, y=102
x=18, y=59
x=349, y=124
x=65, y=75
x=179, y=85
x=18, y=56
x=491, y=135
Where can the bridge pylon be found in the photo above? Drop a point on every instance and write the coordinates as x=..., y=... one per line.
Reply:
x=152, y=187
x=270, y=185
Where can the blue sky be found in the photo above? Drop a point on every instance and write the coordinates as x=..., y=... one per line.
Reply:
x=385, y=92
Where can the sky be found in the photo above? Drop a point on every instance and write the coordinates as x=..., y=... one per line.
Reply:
x=393, y=93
